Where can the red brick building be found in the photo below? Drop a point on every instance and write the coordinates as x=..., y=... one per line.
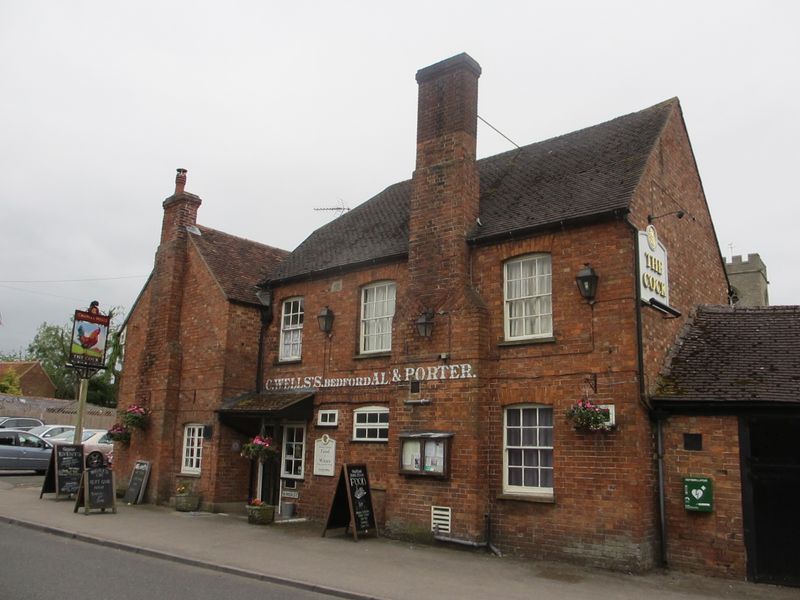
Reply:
x=33, y=379
x=459, y=338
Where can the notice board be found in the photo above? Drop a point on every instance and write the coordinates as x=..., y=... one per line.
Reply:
x=351, y=505
x=138, y=483
x=64, y=471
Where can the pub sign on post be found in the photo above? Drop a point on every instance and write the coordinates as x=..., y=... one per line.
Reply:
x=89, y=337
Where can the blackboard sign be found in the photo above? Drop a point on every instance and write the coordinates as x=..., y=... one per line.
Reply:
x=97, y=490
x=352, y=502
x=135, y=492
x=64, y=471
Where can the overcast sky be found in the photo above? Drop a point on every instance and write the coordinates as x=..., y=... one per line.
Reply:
x=279, y=108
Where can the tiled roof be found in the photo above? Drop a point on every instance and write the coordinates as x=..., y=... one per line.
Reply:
x=590, y=172
x=19, y=367
x=236, y=263
x=736, y=356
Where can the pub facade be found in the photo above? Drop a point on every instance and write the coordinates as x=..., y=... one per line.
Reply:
x=454, y=333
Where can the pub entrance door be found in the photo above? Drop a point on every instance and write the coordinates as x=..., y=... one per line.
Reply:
x=771, y=495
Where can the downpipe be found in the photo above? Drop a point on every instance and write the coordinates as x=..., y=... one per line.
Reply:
x=472, y=544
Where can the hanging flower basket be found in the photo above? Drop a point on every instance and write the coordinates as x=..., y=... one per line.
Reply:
x=259, y=513
x=585, y=415
x=119, y=433
x=260, y=448
x=135, y=417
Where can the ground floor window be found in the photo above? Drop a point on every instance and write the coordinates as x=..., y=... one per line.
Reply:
x=293, y=451
x=528, y=450
x=371, y=424
x=192, y=448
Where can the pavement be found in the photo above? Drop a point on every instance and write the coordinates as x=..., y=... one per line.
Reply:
x=296, y=554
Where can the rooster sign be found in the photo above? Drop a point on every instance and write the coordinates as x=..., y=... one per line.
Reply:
x=89, y=334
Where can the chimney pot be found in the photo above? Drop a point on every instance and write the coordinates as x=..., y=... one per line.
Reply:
x=180, y=181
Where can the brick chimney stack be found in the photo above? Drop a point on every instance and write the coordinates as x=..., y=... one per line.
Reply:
x=180, y=210
x=445, y=185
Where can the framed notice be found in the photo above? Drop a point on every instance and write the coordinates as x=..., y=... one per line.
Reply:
x=325, y=456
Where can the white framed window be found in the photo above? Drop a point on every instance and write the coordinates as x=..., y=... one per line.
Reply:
x=371, y=424
x=528, y=297
x=291, y=345
x=377, y=312
x=192, y=448
x=528, y=449
x=327, y=418
x=293, y=451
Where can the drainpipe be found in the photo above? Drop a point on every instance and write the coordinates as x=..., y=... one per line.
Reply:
x=446, y=538
x=662, y=513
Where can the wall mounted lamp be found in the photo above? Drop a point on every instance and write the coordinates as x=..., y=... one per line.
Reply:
x=587, y=282
x=425, y=323
x=264, y=296
x=325, y=320
x=678, y=213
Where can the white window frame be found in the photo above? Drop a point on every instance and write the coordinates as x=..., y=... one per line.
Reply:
x=290, y=447
x=377, y=317
x=380, y=424
x=328, y=418
x=192, y=448
x=292, y=317
x=542, y=451
x=528, y=298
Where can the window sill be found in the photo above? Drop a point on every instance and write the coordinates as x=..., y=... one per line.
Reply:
x=541, y=340
x=535, y=498
x=288, y=361
x=355, y=441
x=372, y=355
x=424, y=474
x=192, y=474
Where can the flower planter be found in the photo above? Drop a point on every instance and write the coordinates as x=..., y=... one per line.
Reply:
x=187, y=502
x=261, y=515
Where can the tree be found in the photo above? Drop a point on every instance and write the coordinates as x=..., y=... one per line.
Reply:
x=9, y=383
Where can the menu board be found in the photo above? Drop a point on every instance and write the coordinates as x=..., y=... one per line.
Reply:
x=97, y=490
x=352, y=502
x=135, y=492
x=64, y=471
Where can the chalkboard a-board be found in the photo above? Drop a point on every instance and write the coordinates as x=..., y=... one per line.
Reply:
x=64, y=470
x=97, y=490
x=352, y=502
x=135, y=492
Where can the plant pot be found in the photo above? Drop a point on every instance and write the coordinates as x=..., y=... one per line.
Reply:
x=187, y=502
x=261, y=515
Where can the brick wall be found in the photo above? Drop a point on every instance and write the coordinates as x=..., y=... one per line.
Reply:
x=708, y=543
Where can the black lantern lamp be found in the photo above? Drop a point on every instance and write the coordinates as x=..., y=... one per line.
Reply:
x=425, y=324
x=587, y=282
x=264, y=296
x=325, y=319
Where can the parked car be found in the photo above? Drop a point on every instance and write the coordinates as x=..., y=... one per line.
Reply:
x=23, y=450
x=92, y=439
x=19, y=423
x=48, y=431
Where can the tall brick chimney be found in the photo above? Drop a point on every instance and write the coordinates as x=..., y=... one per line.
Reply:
x=445, y=186
x=180, y=210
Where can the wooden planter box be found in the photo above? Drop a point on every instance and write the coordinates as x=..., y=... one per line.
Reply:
x=187, y=502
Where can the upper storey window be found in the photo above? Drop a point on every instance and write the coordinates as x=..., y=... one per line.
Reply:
x=377, y=312
x=528, y=297
x=292, y=329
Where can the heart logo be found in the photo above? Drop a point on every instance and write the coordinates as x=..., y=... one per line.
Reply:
x=697, y=494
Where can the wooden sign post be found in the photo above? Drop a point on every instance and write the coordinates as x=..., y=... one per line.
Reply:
x=352, y=502
x=97, y=490
x=64, y=471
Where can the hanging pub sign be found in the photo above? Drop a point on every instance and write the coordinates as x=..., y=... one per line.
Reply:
x=653, y=268
x=351, y=505
x=89, y=336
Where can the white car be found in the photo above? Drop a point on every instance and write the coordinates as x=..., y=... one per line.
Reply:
x=48, y=431
x=92, y=439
